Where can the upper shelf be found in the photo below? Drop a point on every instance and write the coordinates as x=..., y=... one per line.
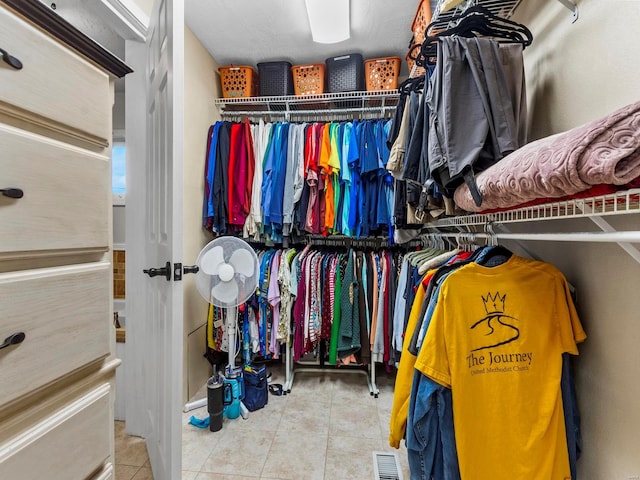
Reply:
x=442, y=20
x=503, y=8
x=328, y=105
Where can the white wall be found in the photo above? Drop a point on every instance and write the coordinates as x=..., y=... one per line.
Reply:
x=119, y=227
x=145, y=5
x=199, y=113
x=577, y=73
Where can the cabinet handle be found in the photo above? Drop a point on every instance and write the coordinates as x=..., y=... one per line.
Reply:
x=13, y=340
x=10, y=60
x=12, y=192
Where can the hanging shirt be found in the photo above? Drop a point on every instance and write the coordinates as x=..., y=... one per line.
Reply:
x=268, y=174
x=349, y=335
x=356, y=185
x=235, y=154
x=254, y=221
x=347, y=160
x=208, y=209
x=496, y=338
x=246, y=174
x=273, y=297
x=377, y=345
x=286, y=298
x=220, y=179
x=279, y=174
x=312, y=150
x=293, y=175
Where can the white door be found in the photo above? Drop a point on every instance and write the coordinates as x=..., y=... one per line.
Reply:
x=162, y=343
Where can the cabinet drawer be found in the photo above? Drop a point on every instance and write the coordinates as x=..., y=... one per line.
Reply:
x=64, y=314
x=66, y=198
x=72, y=443
x=54, y=82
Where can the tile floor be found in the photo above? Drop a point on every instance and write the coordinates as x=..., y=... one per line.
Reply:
x=132, y=461
x=326, y=428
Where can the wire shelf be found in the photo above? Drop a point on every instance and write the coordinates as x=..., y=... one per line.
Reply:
x=622, y=202
x=444, y=20
x=380, y=103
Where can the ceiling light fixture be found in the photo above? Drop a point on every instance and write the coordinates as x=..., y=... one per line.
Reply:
x=329, y=20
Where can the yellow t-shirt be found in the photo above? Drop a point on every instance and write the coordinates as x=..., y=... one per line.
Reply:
x=496, y=339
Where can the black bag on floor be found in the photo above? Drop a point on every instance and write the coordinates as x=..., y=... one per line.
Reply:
x=256, y=393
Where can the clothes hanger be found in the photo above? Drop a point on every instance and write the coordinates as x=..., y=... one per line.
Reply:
x=475, y=21
x=415, y=84
x=497, y=254
x=479, y=19
x=437, y=260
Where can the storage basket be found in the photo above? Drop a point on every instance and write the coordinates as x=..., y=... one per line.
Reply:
x=382, y=73
x=421, y=21
x=345, y=73
x=308, y=79
x=275, y=79
x=238, y=81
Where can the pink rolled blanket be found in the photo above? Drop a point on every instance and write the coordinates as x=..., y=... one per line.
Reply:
x=605, y=151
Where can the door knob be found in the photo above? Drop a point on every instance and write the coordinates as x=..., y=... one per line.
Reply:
x=10, y=60
x=13, y=340
x=164, y=271
x=12, y=192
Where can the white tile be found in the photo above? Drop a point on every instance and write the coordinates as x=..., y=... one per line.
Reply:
x=353, y=420
x=385, y=419
x=349, y=388
x=349, y=465
x=220, y=476
x=304, y=419
x=354, y=444
x=143, y=474
x=131, y=451
x=310, y=387
x=126, y=472
x=239, y=452
x=197, y=445
x=186, y=475
x=296, y=456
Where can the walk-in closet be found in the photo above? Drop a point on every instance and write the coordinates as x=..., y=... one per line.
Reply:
x=406, y=247
x=550, y=93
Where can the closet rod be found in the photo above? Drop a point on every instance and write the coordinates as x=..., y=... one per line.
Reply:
x=609, y=237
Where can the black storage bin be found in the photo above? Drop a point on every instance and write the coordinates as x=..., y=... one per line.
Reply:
x=275, y=79
x=345, y=73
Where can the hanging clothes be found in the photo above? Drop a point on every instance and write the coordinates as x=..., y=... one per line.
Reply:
x=468, y=359
x=269, y=181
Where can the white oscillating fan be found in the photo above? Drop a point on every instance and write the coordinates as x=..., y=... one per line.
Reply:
x=227, y=276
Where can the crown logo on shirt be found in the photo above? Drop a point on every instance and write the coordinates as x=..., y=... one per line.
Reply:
x=494, y=303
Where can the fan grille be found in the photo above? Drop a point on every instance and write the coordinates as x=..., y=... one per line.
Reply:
x=219, y=257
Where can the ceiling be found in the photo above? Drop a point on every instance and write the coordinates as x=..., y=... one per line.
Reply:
x=245, y=32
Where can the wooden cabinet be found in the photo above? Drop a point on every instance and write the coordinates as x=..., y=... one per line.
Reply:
x=56, y=400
